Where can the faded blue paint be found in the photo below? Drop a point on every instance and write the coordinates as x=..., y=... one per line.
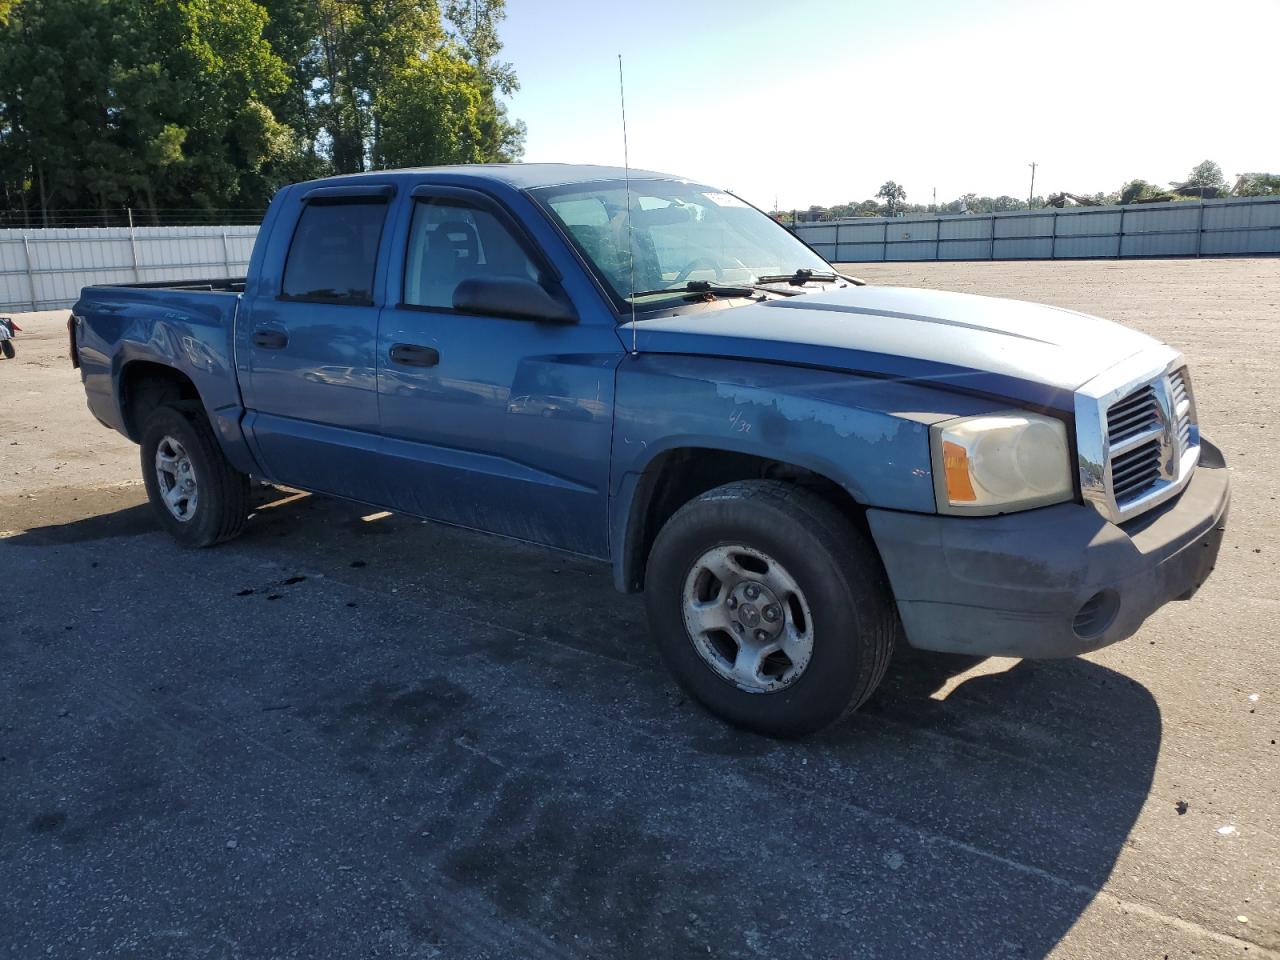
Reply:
x=1007, y=348
x=542, y=431
x=189, y=332
x=869, y=435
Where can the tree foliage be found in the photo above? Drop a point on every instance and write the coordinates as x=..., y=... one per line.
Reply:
x=892, y=193
x=1206, y=174
x=216, y=103
x=1135, y=190
x=1258, y=185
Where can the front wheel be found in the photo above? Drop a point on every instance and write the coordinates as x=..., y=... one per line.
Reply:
x=770, y=607
x=198, y=496
x=6, y=347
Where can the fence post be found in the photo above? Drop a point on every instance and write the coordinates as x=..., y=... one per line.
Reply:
x=1200, y=225
x=1053, y=235
x=226, y=254
x=133, y=247
x=31, y=277
x=991, y=251
x=1120, y=238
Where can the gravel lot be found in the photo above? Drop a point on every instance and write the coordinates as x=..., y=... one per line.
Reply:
x=353, y=735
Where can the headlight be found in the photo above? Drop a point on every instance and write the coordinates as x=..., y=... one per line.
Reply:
x=1000, y=463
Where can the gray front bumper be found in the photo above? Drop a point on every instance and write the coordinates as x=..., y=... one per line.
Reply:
x=1013, y=585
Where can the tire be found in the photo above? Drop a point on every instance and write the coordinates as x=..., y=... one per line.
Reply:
x=6, y=347
x=837, y=625
x=220, y=502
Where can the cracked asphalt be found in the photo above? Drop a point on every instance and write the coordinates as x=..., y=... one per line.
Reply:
x=349, y=734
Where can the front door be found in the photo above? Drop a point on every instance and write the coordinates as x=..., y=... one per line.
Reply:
x=496, y=423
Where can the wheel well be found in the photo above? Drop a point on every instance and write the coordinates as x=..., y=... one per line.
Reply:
x=678, y=476
x=145, y=386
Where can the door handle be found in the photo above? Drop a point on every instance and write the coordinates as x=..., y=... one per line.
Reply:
x=269, y=339
x=414, y=355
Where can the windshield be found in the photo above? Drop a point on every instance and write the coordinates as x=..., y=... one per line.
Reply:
x=680, y=232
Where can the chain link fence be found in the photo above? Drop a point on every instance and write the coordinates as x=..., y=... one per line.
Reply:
x=129, y=217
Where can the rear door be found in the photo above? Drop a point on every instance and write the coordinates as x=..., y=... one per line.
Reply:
x=496, y=423
x=309, y=333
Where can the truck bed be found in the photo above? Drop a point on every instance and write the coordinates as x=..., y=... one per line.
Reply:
x=186, y=325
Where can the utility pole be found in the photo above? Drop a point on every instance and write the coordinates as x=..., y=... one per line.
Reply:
x=935, y=199
x=1031, y=196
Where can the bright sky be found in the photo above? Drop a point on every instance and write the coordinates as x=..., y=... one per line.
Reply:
x=821, y=101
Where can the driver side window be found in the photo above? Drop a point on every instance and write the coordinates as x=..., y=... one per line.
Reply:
x=449, y=244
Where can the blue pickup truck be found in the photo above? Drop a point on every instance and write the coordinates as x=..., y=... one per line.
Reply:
x=796, y=468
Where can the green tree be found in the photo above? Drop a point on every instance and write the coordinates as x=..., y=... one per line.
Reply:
x=892, y=194
x=394, y=85
x=55, y=104
x=1258, y=185
x=153, y=103
x=216, y=103
x=1003, y=203
x=202, y=74
x=475, y=23
x=431, y=113
x=291, y=30
x=1136, y=190
x=1206, y=174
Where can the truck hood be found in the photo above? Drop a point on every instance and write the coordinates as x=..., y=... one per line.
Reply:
x=1008, y=348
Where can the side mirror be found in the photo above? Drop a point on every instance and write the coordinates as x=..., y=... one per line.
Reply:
x=516, y=297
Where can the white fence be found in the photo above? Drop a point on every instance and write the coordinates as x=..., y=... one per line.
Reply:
x=45, y=269
x=1213, y=228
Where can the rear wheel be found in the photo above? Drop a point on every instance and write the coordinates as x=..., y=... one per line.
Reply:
x=197, y=495
x=770, y=607
x=6, y=347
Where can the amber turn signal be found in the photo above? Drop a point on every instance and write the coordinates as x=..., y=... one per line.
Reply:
x=955, y=464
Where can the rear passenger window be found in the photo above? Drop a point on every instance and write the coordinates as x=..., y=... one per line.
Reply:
x=334, y=251
x=449, y=244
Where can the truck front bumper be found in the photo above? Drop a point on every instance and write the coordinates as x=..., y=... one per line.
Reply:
x=1053, y=582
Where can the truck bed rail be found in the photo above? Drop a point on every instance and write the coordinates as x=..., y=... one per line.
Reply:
x=223, y=285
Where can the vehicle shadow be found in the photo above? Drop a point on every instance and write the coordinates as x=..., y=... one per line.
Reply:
x=98, y=517
x=1009, y=795
x=550, y=769
x=128, y=522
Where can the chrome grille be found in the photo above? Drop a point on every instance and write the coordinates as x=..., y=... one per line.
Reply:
x=1136, y=471
x=1136, y=414
x=1183, y=405
x=1136, y=434
x=1134, y=429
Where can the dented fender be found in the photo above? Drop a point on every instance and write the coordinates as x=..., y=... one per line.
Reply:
x=869, y=435
x=189, y=332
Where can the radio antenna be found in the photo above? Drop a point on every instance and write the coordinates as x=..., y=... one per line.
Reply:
x=626, y=166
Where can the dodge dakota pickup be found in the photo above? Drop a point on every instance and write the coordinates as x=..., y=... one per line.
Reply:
x=796, y=468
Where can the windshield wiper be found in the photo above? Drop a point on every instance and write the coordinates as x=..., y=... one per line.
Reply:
x=702, y=289
x=799, y=278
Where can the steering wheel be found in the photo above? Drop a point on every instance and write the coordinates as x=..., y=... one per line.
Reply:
x=694, y=264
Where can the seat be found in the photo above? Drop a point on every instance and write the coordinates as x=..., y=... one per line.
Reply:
x=452, y=255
